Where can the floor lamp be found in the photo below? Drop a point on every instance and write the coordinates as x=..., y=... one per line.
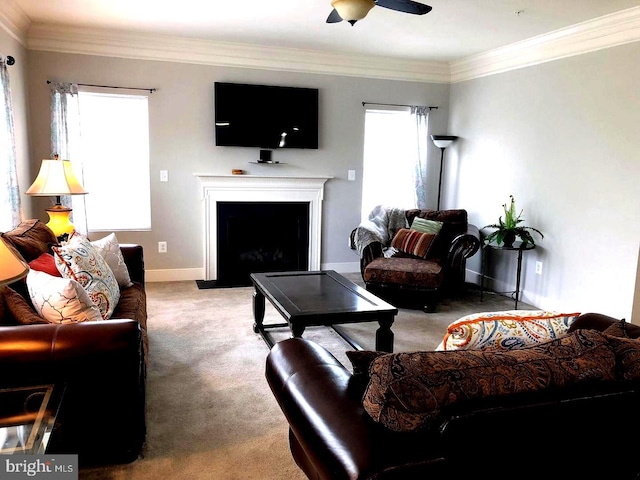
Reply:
x=442, y=142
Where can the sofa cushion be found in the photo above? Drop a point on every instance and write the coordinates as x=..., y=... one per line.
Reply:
x=79, y=260
x=109, y=248
x=617, y=329
x=31, y=239
x=627, y=352
x=133, y=305
x=407, y=271
x=60, y=300
x=361, y=360
x=410, y=391
x=45, y=263
x=506, y=330
x=17, y=310
x=413, y=242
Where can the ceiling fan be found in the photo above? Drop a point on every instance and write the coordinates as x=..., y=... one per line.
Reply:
x=354, y=10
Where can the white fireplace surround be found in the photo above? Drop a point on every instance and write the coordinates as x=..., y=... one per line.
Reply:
x=257, y=188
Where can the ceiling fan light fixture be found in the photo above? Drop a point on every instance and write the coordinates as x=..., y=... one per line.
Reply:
x=352, y=10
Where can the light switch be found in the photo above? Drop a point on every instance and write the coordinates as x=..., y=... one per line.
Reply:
x=164, y=175
x=351, y=175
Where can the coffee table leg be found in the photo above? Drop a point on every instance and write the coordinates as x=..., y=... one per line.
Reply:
x=297, y=330
x=258, y=311
x=384, y=335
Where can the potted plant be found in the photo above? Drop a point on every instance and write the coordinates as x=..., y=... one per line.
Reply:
x=509, y=229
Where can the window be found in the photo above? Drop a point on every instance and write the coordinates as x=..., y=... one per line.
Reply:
x=390, y=146
x=114, y=150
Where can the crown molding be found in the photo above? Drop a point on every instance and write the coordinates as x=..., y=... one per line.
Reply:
x=604, y=32
x=607, y=31
x=14, y=21
x=141, y=46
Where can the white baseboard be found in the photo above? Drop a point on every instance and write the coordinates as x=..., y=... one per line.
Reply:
x=174, y=275
x=346, y=267
x=186, y=274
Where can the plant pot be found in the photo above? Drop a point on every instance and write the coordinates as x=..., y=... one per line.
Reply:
x=508, y=239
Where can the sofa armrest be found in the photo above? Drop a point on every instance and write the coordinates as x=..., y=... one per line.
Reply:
x=134, y=258
x=600, y=322
x=60, y=352
x=100, y=364
x=332, y=437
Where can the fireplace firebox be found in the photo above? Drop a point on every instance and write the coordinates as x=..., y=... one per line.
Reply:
x=255, y=237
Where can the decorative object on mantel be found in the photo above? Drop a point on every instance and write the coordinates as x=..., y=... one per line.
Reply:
x=237, y=171
x=508, y=230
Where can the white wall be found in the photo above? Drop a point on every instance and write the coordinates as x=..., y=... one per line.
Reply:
x=562, y=137
x=182, y=142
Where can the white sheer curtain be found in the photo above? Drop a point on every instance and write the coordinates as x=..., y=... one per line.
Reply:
x=65, y=142
x=420, y=116
x=10, y=206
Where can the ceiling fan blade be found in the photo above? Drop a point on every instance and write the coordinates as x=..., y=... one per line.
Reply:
x=406, y=6
x=334, y=17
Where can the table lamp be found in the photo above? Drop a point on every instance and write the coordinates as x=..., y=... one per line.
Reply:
x=56, y=178
x=12, y=267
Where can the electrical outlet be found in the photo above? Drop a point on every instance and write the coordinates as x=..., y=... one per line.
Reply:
x=539, y=268
x=162, y=247
x=351, y=175
x=164, y=175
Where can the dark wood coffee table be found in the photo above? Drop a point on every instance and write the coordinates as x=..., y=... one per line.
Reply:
x=319, y=298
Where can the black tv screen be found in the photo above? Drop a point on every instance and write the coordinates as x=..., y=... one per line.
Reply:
x=265, y=116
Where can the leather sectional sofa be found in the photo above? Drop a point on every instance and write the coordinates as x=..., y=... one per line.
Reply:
x=578, y=430
x=101, y=363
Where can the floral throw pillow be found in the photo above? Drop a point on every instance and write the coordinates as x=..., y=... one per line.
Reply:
x=79, y=260
x=506, y=330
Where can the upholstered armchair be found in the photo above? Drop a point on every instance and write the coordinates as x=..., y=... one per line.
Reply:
x=414, y=263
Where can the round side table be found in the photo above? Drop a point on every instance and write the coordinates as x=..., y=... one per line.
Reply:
x=517, y=247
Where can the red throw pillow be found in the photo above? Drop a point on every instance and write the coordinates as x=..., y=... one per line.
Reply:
x=45, y=263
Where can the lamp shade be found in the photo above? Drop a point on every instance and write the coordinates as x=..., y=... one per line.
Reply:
x=443, y=141
x=56, y=177
x=352, y=10
x=12, y=267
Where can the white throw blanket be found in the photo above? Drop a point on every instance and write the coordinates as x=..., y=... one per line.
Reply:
x=381, y=225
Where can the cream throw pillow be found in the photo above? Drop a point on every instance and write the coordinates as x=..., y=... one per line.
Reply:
x=60, y=300
x=109, y=248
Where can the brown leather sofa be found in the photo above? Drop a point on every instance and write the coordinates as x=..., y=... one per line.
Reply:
x=102, y=364
x=566, y=433
x=411, y=281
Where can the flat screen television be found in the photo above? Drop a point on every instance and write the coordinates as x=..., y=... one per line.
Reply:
x=265, y=116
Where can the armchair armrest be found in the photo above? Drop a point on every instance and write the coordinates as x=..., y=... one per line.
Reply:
x=370, y=253
x=134, y=258
x=464, y=246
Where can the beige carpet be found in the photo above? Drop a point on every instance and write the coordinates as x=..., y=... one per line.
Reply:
x=210, y=412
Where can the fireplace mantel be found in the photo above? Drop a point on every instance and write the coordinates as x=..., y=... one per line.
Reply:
x=258, y=188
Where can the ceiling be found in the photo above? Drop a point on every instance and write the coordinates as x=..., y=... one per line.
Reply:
x=453, y=30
